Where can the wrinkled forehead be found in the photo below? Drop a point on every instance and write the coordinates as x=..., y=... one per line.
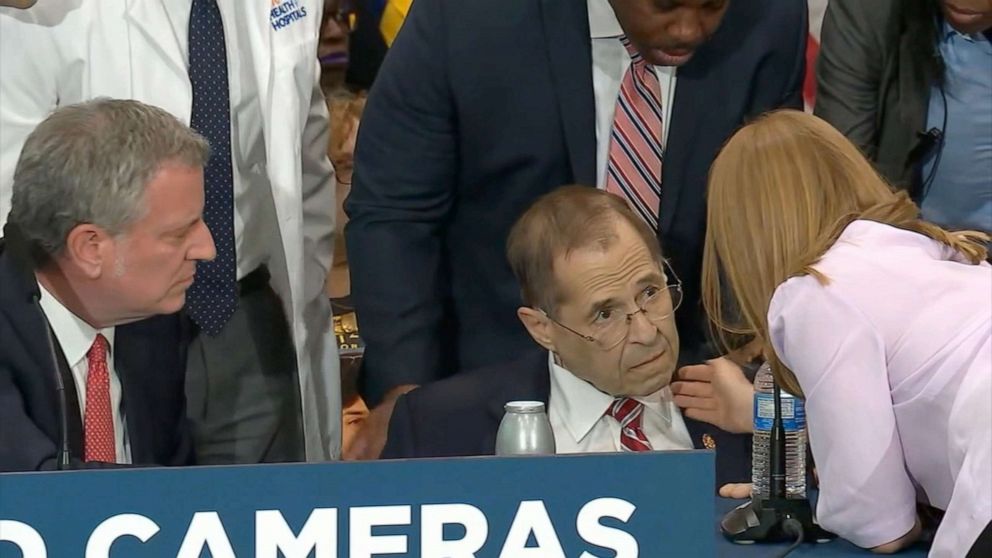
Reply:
x=604, y=268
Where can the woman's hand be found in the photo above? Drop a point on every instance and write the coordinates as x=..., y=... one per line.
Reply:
x=737, y=491
x=717, y=393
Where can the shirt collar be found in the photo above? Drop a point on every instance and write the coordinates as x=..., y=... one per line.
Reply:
x=948, y=32
x=74, y=335
x=602, y=21
x=582, y=405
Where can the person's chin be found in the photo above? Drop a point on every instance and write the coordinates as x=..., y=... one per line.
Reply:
x=969, y=25
x=649, y=386
x=172, y=304
x=655, y=374
x=966, y=21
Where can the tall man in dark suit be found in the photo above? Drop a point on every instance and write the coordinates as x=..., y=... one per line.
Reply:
x=599, y=300
x=482, y=106
x=104, y=231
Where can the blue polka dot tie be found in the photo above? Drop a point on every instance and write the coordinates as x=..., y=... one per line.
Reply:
x=213, y=297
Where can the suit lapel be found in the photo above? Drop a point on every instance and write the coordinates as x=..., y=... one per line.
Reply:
x=918, y=68
x=29, y=326
x=913, y=86
x=688, y=110
x=17, y=305
x=74, y=421
x=913, y=91
x=566, y=29
x=128, y=352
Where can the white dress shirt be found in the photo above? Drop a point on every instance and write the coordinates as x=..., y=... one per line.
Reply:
x=576, y=411
x=253, y=202
x=76, y=337
x=610, y=61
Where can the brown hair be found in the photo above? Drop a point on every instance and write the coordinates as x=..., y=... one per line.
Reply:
x=565, y=220
x=781, y=192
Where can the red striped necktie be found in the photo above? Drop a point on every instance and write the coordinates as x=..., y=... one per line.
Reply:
x=634, y=170
x=628, y=413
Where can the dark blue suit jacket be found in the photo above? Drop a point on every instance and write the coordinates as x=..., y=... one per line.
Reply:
x=459, y=416
x=149, y=357
x=482, y=106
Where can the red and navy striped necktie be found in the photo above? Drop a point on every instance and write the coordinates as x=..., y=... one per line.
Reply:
x=628, y=412
x=634, y=170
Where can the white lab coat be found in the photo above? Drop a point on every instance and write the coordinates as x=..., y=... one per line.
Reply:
x=66, y=51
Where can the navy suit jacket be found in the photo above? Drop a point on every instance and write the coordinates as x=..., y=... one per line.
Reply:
x=149, y=358
x=459, y=416
x=481, y=107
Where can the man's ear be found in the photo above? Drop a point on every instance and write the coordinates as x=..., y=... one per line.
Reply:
x=538, y=325
x=86, y=249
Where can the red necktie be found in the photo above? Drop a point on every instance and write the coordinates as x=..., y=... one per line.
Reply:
x=634, y=170
x=628, y=411
x=98, y=421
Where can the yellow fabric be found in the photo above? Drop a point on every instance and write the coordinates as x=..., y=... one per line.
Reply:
x=393, y=15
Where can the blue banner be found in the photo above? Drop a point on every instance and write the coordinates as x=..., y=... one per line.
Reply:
x=623, y=505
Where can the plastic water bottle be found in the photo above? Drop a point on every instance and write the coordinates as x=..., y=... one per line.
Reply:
x=794, y=422
x=525, y=430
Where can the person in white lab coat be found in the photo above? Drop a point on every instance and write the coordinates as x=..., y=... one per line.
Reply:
x=263, y=380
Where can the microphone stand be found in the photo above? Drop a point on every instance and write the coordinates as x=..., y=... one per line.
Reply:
x=62, y=463
x=777, y=518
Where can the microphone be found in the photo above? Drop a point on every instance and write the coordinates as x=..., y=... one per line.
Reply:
x=776, y=451
x=777, y=518
x=20, y=253
x=929, y=141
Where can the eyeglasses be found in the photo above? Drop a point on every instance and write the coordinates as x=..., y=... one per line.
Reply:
x=610, y=327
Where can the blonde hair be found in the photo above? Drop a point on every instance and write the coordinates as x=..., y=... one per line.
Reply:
x=781, y=192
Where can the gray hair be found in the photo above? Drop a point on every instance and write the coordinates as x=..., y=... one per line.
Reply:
x=90, y=163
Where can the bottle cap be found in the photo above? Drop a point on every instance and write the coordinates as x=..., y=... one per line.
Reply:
x=524, y=407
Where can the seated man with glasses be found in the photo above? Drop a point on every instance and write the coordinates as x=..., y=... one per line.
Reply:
x=599, y=302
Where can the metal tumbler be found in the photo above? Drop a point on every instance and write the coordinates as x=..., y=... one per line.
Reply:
x=525, y=430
